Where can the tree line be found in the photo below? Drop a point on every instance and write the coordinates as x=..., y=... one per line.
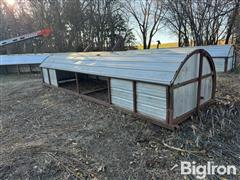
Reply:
x=76, y=24
x=98, y=25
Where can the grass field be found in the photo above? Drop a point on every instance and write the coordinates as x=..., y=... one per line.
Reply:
x=164, y=45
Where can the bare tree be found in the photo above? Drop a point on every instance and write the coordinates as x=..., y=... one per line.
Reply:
x=77, y=24
x=237, y=32
x=204, y=21
x=148, y=15
x=176, y=21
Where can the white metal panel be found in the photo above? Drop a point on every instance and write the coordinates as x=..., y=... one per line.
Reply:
x=231, y=51
x=53, y=77
x=185, y=99
x=206, y=90
x=151, y=100
x=219, y=64
x=206, y=67
x=230, y=64
x=45, y=75
x=189, y=70
x=122, y=93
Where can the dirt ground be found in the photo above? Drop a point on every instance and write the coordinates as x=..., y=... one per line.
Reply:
x=47, y=133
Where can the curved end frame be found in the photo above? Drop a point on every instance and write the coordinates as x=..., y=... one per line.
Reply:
x=203, y=53
x=234, y=60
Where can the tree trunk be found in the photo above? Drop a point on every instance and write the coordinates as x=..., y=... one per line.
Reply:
x=149, y=42
x=231, y=23
x=179, y=38
x=144, y=41
x=237, y=29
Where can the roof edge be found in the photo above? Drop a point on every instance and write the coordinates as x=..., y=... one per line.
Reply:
x=196, y=51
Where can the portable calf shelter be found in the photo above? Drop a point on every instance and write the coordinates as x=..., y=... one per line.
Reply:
x=21, y=63
x=224, y=56
x=165, y=88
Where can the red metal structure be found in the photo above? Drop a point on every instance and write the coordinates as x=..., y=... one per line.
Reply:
x=44, y=32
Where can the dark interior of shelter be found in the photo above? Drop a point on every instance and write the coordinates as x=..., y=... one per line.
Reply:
x=84, y=84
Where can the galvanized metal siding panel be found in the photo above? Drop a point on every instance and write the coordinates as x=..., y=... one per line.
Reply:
x=185, y=99
x=219, y=64
x=189, y=69
x=230, y=64
x=151, y=100
x=231, y=52
x=53, y=77
x=206, y=67
x=122, y=93
x=206, y=90
x=45, y=75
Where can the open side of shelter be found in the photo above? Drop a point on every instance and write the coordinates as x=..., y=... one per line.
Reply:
x=21, y=63
x=165, y=89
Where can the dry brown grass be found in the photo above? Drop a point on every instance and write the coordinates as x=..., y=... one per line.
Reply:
x=49, y=134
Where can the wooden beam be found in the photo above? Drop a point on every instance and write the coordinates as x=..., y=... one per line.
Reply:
x=18, y=69
x=226, y=65
x=109, y=90
x=134, y=97
x=94, y=91
x=199, y=83
x=30, y=67
x=77, y=82
x=49, y=79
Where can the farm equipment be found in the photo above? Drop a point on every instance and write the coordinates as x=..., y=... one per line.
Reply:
x=41, y=33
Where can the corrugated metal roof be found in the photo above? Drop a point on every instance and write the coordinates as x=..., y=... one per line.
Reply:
x=138, y=65
x=22, y=59
x=213, y=50
x=217, y=50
